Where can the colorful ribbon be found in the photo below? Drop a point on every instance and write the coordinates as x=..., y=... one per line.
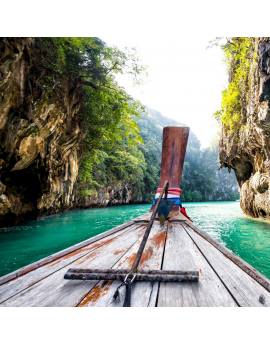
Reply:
x=173, y=194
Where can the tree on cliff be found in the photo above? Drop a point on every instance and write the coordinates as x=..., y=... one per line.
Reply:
x=112, y=135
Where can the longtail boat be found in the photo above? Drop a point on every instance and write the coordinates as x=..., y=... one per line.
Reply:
x=160, y=259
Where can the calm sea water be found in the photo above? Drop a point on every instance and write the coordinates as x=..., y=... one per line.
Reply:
x=21, y=245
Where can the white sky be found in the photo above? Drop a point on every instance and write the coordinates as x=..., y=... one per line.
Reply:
x=185, y=79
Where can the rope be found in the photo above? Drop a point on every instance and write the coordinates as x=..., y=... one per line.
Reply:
x=116, y=295
x=127, y=301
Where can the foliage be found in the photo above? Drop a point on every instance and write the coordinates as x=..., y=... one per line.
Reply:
x=238, y=55
x=122, y=143
x=85, y=59
x=35, y=131
x=201, y=180
x=112, y=136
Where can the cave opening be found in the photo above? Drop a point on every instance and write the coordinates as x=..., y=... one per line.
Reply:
x=25, y=183
x=262, y=213
x=243, y=171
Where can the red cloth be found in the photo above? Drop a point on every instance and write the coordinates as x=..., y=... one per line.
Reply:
x=183, y=211
x=174, y=191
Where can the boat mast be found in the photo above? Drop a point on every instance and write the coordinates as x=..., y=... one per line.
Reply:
x=173, y=155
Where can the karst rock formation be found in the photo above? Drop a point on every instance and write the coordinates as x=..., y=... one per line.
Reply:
x=248, y=152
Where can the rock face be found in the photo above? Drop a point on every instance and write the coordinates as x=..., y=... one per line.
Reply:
x=119, y=194
x=40, y=142
x=249, y=152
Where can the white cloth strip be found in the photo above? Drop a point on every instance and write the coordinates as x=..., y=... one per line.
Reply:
x=170, y=196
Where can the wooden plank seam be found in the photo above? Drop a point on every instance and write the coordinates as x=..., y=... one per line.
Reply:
x=111, y=266
x=162, y=261
x=143, y=294
x=125, y=230
x=182, y=253
x=98, y=281
x=55, y=291
x=10, y=276
x=238, y=304
x=246, y=290
x=251, y=271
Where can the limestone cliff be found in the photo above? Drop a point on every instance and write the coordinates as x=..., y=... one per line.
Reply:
x=41, y=139
x=248, y=151
x=118, y=194
x=40, y=142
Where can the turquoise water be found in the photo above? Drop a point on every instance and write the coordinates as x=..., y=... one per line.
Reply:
x=20, y=245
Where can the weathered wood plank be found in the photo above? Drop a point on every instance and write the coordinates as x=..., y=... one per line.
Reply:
x=174, y=216
x=178, y=216
x=102, y=293
x=246, y=291
x=63, y=252
x=15, y=286
x=260, y=278
x=154, y=295
x=182, y=254
x=144, y=218
x=54, y=290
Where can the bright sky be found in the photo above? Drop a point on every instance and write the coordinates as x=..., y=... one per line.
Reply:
x=185, y=79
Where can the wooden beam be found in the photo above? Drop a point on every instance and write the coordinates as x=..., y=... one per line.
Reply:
x=21, y=283
x=251, y=271
x=57, y=255
x=55, y=291
x=142, y=292
x=245, y=290
x=181, y=253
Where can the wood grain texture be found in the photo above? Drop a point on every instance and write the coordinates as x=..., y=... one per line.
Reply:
x=19, y=284
x=142, y=292
x=246, y=291
x=177, y=216
x=55, y=291
x=44, y=261
x=154, y=295
x=251, y=271
x=182, y=254
x=145, y=217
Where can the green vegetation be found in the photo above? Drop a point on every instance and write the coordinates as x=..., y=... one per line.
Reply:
x=35, y=131
x=112, y=134
x=122, y=143
x=238, y=56
x=201, y=181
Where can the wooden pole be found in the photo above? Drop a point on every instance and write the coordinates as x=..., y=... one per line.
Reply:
x=173, y=155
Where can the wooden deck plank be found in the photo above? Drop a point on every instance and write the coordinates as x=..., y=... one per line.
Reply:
x=15, y=286
x=182, y=254
x=154, y=295
x=174, y=217
x=54, y=290
x=145, y=217
x=251, y=271
x=50, y=258
x=178, y=216
x=102, y=293
x=246, y=291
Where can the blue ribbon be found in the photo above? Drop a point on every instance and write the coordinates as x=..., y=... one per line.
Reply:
x=176, y=202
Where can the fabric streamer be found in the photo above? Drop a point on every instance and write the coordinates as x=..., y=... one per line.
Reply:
x=173, y=194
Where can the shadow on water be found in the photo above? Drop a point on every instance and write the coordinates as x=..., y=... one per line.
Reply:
x=20, y=245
